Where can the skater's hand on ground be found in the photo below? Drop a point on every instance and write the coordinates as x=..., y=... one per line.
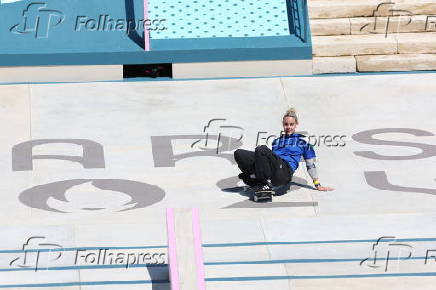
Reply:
x=324, y=188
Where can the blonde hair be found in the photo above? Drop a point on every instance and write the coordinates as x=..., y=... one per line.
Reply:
x=291, y=112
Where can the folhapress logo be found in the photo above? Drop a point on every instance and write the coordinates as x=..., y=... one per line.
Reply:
x=38, y=20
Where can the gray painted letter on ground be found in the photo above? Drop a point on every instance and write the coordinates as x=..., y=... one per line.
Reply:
x=22, y=156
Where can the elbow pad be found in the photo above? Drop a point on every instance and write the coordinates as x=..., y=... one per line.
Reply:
x=311, y=168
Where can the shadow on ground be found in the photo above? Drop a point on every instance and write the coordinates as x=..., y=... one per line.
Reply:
x=230, y=185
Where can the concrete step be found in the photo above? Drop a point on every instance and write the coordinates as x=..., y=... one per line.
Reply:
x=364, y=8
x=228, y=69
x=334, y=26
x=368, y=25
x=61, y=73
x=417, y=42
x=396, y=62
x=336, y=64
x=354, y=45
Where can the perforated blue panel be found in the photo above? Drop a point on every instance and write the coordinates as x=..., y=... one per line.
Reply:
x=219, y=18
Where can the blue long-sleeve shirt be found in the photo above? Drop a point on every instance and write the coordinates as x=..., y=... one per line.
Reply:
x=291, y=148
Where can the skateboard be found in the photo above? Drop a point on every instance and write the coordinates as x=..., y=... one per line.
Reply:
x=262, y=195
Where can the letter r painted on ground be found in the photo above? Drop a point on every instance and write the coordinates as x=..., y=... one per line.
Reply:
x=22, y=156
x=163, y=153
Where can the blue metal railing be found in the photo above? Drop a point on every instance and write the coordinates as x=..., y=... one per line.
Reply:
x=298, y=18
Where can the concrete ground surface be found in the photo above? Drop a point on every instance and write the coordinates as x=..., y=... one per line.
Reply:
x=88, y=170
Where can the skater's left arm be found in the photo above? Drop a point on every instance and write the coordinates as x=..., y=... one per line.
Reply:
x=313, y=172
x=309, y=156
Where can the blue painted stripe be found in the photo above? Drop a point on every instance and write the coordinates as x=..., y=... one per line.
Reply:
x=167, y=79
x=259, y=262
x=249, y=244
x=354, y=276
x=225, y=279
x=83, y=267
x=221, y=245
x=299, y=261
x=90, y=283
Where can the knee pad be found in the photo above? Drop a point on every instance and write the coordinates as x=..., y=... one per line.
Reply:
x=262, y=148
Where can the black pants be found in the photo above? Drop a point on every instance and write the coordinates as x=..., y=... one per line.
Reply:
x=264, y=164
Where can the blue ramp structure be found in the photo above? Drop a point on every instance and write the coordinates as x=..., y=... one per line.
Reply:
x=198, y=38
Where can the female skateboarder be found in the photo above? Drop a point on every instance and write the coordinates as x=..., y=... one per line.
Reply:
x=264, y=168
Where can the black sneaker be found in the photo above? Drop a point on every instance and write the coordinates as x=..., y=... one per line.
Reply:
x=262, y=192
x=262, y=188
x=247, y=179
